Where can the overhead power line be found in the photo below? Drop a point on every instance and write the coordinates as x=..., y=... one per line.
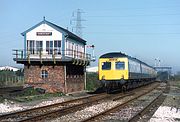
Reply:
x=117, y=24
x=116, y=33
x=135, y=15
x=115, y=9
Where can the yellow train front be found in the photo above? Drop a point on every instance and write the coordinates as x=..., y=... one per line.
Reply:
x=119, y=71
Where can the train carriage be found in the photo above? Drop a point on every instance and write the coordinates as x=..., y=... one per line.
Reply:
x=117, y=70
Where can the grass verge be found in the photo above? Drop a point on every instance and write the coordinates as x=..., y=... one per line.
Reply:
x=31, y=94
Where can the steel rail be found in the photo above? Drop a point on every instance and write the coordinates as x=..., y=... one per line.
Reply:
x=140, y=113
x=61, y=111
x=147, y=107
x=68, y=110
x=117, y=106
x=28, y=111
x=125, y=95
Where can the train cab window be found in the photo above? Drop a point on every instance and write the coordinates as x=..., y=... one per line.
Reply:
x=106, y=65
x=120, y=65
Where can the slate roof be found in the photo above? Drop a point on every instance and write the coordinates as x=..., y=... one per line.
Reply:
x=58, y=28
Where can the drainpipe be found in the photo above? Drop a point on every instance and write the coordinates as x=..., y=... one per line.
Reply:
x=85, y=78
x=85, y=69
x=65, y=84
x=65, y=45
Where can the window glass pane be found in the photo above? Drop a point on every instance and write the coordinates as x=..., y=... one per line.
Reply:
x=44, y=74
x=106, y=65
x=59, y=47
x=49, y=47
x=51, y=44
x=31, y=48
x=47, y=44
x=120, y=65
x=59, y=43
x=55, y=44
x=39, y=46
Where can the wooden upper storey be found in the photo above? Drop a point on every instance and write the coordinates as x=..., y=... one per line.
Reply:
x=49, y=42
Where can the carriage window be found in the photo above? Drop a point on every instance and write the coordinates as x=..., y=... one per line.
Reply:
x=106, y=65
x=120, y=65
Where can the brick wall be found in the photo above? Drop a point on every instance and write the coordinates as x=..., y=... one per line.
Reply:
x=75, y=78
x=75, y=83
x=54, y=82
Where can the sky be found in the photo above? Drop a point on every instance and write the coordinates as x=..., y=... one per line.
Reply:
x=145, y=29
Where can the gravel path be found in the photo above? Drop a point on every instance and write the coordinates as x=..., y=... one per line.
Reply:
x=87, y=112
x=9, y=106
x=169, y=111
x=95, y=109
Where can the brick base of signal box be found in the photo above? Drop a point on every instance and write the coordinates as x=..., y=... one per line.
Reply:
x=61, y=78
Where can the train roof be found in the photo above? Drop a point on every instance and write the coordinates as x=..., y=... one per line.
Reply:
x=120, y=54
x=113, y=55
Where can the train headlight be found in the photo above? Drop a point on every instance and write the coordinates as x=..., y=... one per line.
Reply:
x=103, y=77
x=122, y=76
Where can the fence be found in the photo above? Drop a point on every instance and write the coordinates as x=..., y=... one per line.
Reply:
x=8, y=81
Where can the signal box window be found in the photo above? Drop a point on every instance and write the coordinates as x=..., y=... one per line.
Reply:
x=44, y=74
x=120, y=65
x=106, y=65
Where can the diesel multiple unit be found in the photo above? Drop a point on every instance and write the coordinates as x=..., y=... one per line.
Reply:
x=117, y=70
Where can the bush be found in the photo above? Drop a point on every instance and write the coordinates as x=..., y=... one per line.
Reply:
x=32, y=94
x=40, y=90
x=92, y=82
x=29, y=91
x=177, y=77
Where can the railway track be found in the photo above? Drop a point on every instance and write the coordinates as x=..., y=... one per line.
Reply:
x=58, y=109
x=157, y=101
x=130, y=110
x=36, y=112
x=90, y=111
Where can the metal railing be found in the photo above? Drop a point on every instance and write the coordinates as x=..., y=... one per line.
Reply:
x=50, y=53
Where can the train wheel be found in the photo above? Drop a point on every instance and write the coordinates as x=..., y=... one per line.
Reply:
x=124, y=88
x=108, y=89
